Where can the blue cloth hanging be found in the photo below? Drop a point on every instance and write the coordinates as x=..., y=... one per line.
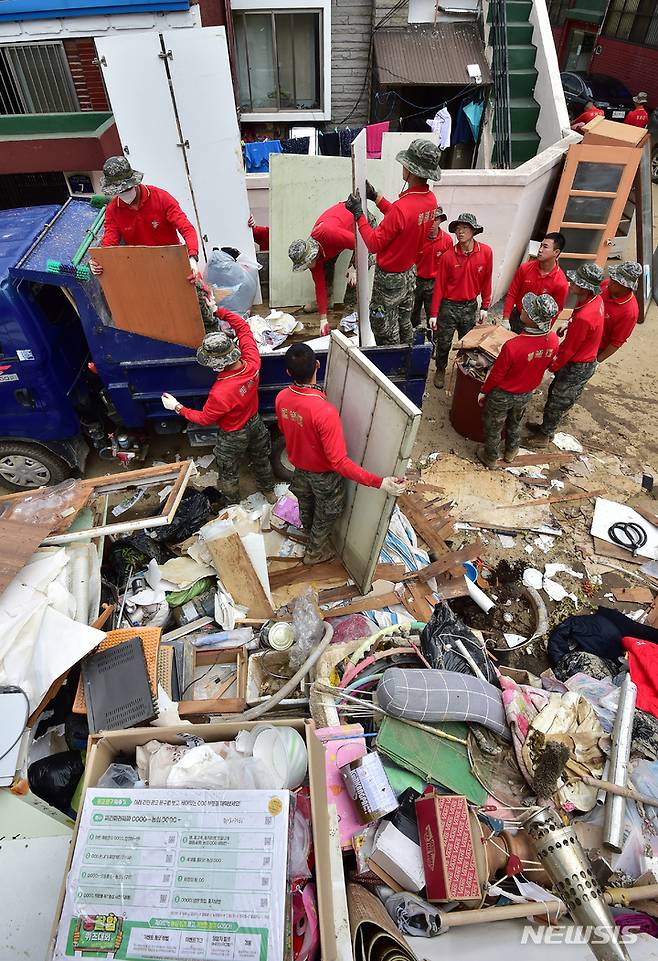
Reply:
x=461, y=131
x=474, y=111
x=257, y=155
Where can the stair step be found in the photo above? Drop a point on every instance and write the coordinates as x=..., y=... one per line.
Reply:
x=524, y=147
x=524, y=114
x=522, y=82
x=519, y=33
x=518, y=11
x=520, y=56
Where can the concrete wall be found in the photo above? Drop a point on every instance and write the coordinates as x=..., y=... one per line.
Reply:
x=351, y=29
x=635, y=65
x=506, y=202
x=553, y=123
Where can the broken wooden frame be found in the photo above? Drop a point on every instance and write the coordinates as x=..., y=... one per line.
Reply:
x=179, y=474
x=380, y=425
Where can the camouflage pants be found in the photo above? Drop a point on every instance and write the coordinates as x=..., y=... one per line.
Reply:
x=349, y=300
x=321, y=499
x=422, y=298
x=391, y=304
x=503, y=411
x=230, y=449
x=567, y=386
x=454, y=315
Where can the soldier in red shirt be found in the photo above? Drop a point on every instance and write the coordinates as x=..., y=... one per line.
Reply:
x=515, y=375
x=233, y=406
x=316, y=448
x=575, y=362
x=398, y=241
x=620, y=307
x=428, y=264
x=540, y=276
x=590, y=111
x=142, y=216
x=638, y=117
x=332, y=233
x=261, y=235
x=464, y=274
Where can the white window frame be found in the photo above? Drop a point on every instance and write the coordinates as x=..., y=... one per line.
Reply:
x=324, y=113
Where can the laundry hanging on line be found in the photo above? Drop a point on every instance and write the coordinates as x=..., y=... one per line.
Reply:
x=257, y=155
x=441, y=124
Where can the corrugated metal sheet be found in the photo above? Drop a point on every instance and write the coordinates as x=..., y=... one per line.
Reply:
x=429, y=55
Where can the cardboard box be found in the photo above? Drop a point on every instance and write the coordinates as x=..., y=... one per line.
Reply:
x=399, y=856
x=446, y=842
x=330, y=882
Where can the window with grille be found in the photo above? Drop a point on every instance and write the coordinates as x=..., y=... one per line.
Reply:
x=279, y=60
x=35, y=78
x=633, y=20
x=557, y=11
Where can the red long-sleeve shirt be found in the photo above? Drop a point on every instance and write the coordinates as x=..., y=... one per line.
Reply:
x=313, y=434
x=588, y=115
x=583, y=337
x=399, y=239
x=261, y=236
x=156, y=221
x=619, y=317
x=233, y=398
x=428, y=262
x=522, y=362
x=637, y=118
x=463, y=276
x=529, y=279
x=334, y=231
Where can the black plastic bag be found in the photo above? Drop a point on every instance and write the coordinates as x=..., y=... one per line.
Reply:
x=193, y=512
x=438, y=644
x=55, y=778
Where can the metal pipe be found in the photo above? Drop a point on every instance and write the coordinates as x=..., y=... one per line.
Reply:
x=613, y=824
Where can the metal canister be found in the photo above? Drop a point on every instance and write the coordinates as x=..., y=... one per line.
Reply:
x=277, y=636
x=369, y=787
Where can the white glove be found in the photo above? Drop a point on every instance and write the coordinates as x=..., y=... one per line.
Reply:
x=483, y=316
x=481, y=399
x=433, y=323
x=504, y=323
x=351, y=276
x=169, y=402
x=394, y=485
x=95, y=267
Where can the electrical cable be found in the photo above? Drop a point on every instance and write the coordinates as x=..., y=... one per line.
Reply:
x=16, y=690
x=628, y=534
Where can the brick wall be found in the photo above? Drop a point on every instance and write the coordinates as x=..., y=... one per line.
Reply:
x=351, y=29
x=87, y=76
x=635, y=65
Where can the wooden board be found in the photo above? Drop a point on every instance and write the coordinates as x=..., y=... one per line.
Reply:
x=414, y=511
x=633, y=595
x=238, y=576
x=19, y=542
x=147, y=291
x=453, y=559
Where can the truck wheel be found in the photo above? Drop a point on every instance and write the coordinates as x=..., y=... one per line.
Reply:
x=25, y=466
x=281, y=466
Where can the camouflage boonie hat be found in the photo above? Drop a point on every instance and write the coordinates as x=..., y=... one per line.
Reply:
x=421, y=158
x=218, y=351
x=541, y=308
x=303, y=253
x=587, y=277
x=118, y=176
x=469, y=219
x=628, y=274
x=641, y=97
x=439, y=215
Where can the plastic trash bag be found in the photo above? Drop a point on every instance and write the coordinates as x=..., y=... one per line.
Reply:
x=441, y=640
x=308, y=627
x=201, y=768
x=120, y=776
x=55, y=778
x=193, y=512
x=235, y=282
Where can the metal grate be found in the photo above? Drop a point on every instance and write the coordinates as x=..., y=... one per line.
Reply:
x=35, y=78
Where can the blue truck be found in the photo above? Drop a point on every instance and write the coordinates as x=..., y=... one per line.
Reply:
x=71, y=382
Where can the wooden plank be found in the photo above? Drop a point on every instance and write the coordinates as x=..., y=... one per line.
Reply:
x=553, y=499
x=421, y=525
x=19, y=542
x=333, y=594
x=238, y=576
x=646, y=514
x=329, y=570
x=424, y=607
x=455, y=588
x=633, y=595
x=453, y=560
x=221, y=705
x=148, y=293
x=651, y=616
x=606, y=549
x=374, y=603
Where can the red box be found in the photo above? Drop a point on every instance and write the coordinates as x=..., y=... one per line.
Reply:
x=446, y=843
